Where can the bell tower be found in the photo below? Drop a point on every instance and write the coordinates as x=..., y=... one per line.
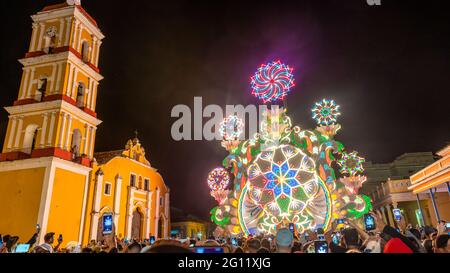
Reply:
x=54, y=114
x=46, y=160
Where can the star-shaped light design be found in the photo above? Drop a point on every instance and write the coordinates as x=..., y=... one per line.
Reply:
x=351, y=163
x=283, y=180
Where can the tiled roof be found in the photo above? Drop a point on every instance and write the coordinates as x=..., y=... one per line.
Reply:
x=104, y=157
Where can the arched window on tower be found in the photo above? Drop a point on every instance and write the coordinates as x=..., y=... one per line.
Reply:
x=81, y=91
x=42, y=87
x=85, y=51
x=29, y=139
x=76, y=143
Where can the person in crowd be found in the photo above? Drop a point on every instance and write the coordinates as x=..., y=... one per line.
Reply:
x=49, y=239
x=266, y=243
x=253, y=245
x=428, y=245
x=134, y=248
x=239, y=250
x=263, y=250
x=284, y=240
x=297, y=247
x=350, y=241
x=442, y=244
x=374, y=244
x=391, y=233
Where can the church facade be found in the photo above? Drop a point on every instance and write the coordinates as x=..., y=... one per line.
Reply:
x=49, y=174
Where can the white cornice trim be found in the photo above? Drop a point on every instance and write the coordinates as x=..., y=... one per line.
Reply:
x=44, y=162
x=31, y=163
x=63, y=56
x=50, y=106
x=53, y=14
x=80, y=113
x=90, y=26
x=68, y=11
x=84, y=67
x=47, y=58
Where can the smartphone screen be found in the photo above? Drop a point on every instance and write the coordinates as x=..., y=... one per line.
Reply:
x=292, y=227
x=60, y=238
x=397, y=214
x=340, y=221
x=234, y=241
x=369, y=222
x=208, y=250
x=22, y=248
x=321, y=246
x=152, y=240
x=107, y=224
x=336, y=238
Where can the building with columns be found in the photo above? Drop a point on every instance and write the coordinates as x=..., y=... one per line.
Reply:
x=423, y=198
x=48, y=173
x=395, y=194
x=129, y=188
x=434, y=182
x=400, y=168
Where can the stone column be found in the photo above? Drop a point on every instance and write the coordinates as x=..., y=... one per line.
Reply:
x=148, y=215
x=30, y=83
x=94, y=51
x=69, y=81
x=53, y=79
x=44, y=130
x=68, y=133
x=41, y=36
x=97, y=53
x=117, y=193
x=52, y=128
x=62, y=129
x=75, y=31
x=60, y=32
x=68, y=29
x=19, y=133
x=129, y=212
x=92, y=141
x=58, y=79
x=166, y=213
x=87, y=130
x=11, y=134
x=89, y=94
x=33, y=37
x=80, y=31
x=25, y=83
x=93, y=95
x=96, y=203
x=157, y=212
x=74, y=83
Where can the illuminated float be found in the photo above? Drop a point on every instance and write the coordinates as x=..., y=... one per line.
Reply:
x=284, y=174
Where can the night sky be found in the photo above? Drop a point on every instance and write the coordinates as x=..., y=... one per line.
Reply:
x=388, y=67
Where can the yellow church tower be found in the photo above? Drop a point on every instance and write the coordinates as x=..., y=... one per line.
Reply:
x=45, y=163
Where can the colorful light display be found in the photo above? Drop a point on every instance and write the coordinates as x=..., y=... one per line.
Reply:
x=325, y=112
x=351, y=163
x=218, y=179
x=284, y=173
x=272, y=81
x=231, y=128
